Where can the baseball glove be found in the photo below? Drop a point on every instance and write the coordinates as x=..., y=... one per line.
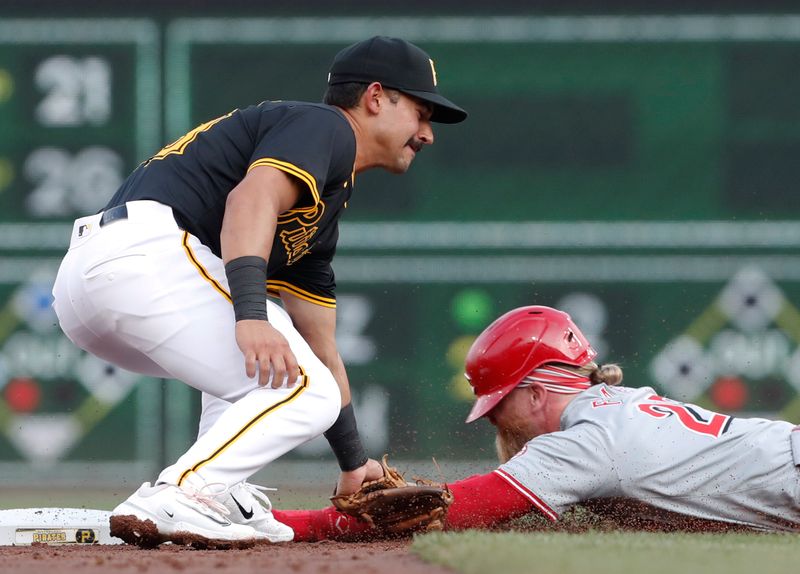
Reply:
x=394, y=506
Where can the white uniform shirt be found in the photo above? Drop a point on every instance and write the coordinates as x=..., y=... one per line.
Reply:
x=631, y=443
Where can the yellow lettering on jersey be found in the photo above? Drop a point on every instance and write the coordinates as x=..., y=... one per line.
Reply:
x=179, y=145
x=296, y=242
x=305, y=216
x=297, y=238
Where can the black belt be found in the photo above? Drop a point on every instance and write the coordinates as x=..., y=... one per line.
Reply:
x=114, y=214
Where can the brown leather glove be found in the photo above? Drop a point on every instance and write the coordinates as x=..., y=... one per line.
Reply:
x=394, y=506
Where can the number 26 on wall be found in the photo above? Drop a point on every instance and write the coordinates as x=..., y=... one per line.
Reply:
x=659, y=407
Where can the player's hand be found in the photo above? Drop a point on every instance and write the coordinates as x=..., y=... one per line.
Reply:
x=350, y=481
x=264, y=346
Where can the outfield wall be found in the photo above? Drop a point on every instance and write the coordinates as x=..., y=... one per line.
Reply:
x=637, y=171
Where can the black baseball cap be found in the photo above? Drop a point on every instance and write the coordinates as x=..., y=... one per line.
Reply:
x=396, y=64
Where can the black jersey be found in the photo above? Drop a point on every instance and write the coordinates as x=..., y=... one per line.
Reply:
x=312, y=142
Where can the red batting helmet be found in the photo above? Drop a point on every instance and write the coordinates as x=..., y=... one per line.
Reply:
x=516, y=344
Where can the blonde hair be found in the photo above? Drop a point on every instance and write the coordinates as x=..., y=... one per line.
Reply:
x=507, y=443
x=609, y=374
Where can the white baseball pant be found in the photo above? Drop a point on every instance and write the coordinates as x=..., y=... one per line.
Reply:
x=147, y=296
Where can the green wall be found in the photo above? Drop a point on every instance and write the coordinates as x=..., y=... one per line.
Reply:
x=639, y=172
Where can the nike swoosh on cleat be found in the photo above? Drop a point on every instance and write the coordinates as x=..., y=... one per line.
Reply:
x=222, y=522
x=247, y=514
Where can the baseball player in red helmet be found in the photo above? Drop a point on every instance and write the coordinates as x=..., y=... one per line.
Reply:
x=567, y=433
x=171, y=280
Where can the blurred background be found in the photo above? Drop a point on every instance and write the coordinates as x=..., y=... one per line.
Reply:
x=633, y=164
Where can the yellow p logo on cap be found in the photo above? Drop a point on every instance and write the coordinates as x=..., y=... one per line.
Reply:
x=433, y=71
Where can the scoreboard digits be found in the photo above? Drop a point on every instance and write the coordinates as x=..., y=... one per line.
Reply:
x=638, y=171
x=75, y=122
x=79, y=107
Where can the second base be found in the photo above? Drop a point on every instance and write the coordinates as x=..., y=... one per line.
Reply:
x=59, y=526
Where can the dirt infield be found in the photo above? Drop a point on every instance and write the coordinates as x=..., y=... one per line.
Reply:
x=385, y=557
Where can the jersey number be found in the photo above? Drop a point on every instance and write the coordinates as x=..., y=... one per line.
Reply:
x=688, y=417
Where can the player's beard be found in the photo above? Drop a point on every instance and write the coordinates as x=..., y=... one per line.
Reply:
x=509, y=442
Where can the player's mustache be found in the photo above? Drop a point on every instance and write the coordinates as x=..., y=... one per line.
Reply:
x=415, y=144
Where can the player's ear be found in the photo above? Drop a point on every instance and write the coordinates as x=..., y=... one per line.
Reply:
x=372, y=98
x=537, y=396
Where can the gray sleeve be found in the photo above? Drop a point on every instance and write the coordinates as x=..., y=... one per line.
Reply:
x=557, y=470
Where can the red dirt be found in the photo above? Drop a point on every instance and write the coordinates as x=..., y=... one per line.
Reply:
x=385, y=557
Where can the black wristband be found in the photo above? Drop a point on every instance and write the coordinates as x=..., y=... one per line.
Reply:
x=345, y=442
x=247, y=280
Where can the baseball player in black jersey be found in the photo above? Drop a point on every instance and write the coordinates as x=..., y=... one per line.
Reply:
x=171, y=280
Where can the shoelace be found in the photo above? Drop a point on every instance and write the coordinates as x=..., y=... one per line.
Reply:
x=257, y=492
x=206, y=496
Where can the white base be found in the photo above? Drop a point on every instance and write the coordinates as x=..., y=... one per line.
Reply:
x=25, y=526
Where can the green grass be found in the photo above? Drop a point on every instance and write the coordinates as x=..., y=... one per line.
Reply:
x=475, y=552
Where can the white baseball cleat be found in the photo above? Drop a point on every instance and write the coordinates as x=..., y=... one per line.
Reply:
x=251, y=507
x=181, y=515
